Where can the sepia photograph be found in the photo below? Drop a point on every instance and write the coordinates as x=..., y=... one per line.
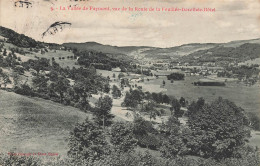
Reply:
x=129, y=82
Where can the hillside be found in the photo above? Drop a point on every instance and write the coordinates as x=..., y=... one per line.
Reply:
x=223, y=55
x=155, y=53
x=18, y=39
x=178, y=51
x=93, y=46
x=35, y=125
x=130, y=52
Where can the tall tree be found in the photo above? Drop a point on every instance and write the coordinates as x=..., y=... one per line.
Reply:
x=176, y=107
x=182, y=102
x=5, y=78
x=122, y=136
x=116, y=92
x=4, y=53
x=61, y=86
x=218, y=129
x=102, y=111
x=40, y=83
x=150, y=108
x=87, y=143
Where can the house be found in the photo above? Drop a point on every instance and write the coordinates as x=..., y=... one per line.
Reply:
x=116, y=69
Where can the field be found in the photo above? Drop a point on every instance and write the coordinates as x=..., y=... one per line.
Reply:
x=246, y=97
x=35, y=125
x=49, y=55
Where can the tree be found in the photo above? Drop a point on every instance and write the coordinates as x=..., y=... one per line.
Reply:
x=145, y=133
x=114, y=76
x=175, y=76
x=87, y=142
x=40, y=83
x=133, y=98
x=150, y=108
x=40, y=64
x=122, y=136
x=106, y=87
x=165, y=99
x=163, y=83
x=195, y=106
x=201, y=102
x=6, y=79
x=171, y=124
x=121, y=75
x=173, y=145
x=4, y=53
x=254, y=121
x=218, y=129
x=61, y=86
x=16, y=78
x=176, y=107
x=182, y=102
x=102, y=111
x=116, y=92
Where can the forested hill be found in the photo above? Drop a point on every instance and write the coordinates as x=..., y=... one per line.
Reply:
x=17, y=39
x=224, y=55
x=108, y=49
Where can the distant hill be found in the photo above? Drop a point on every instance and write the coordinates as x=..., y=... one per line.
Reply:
x=141, y=52
x=224, y=54
x=238, y=43
x=178, y=51
x=93, y=46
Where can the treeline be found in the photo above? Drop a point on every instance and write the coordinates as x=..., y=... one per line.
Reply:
x=210, y=83
x=68, y=86
x=136, y=96
x=19, y=39
x=240, y=71
x=99, y=60
x=50, y=81
x=175, y=76
x=149, y=103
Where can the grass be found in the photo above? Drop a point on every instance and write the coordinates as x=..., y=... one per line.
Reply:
x=35, y=125
x=243, y=96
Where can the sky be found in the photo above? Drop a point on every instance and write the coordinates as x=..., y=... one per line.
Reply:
x=232, y=20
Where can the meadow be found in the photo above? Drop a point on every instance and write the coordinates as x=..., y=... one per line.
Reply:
x=246, y=97
x=32, y=125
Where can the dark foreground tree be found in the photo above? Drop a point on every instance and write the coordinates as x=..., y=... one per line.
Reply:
x=254, y=121
x=176, y=107
x=122, y=136
x=172, y=144
x=87, y=143
x=217, y=129
x=102, y=111
x=116, y=92
x=60, y=86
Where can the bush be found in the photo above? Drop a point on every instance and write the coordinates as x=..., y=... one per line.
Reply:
x=254, y=121
x=87, y=142
x=19, y=160
x=24, y=90
x=175, y=76
x=122, y=136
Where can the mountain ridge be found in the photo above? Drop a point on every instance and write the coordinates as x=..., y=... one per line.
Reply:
x=136, y=52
